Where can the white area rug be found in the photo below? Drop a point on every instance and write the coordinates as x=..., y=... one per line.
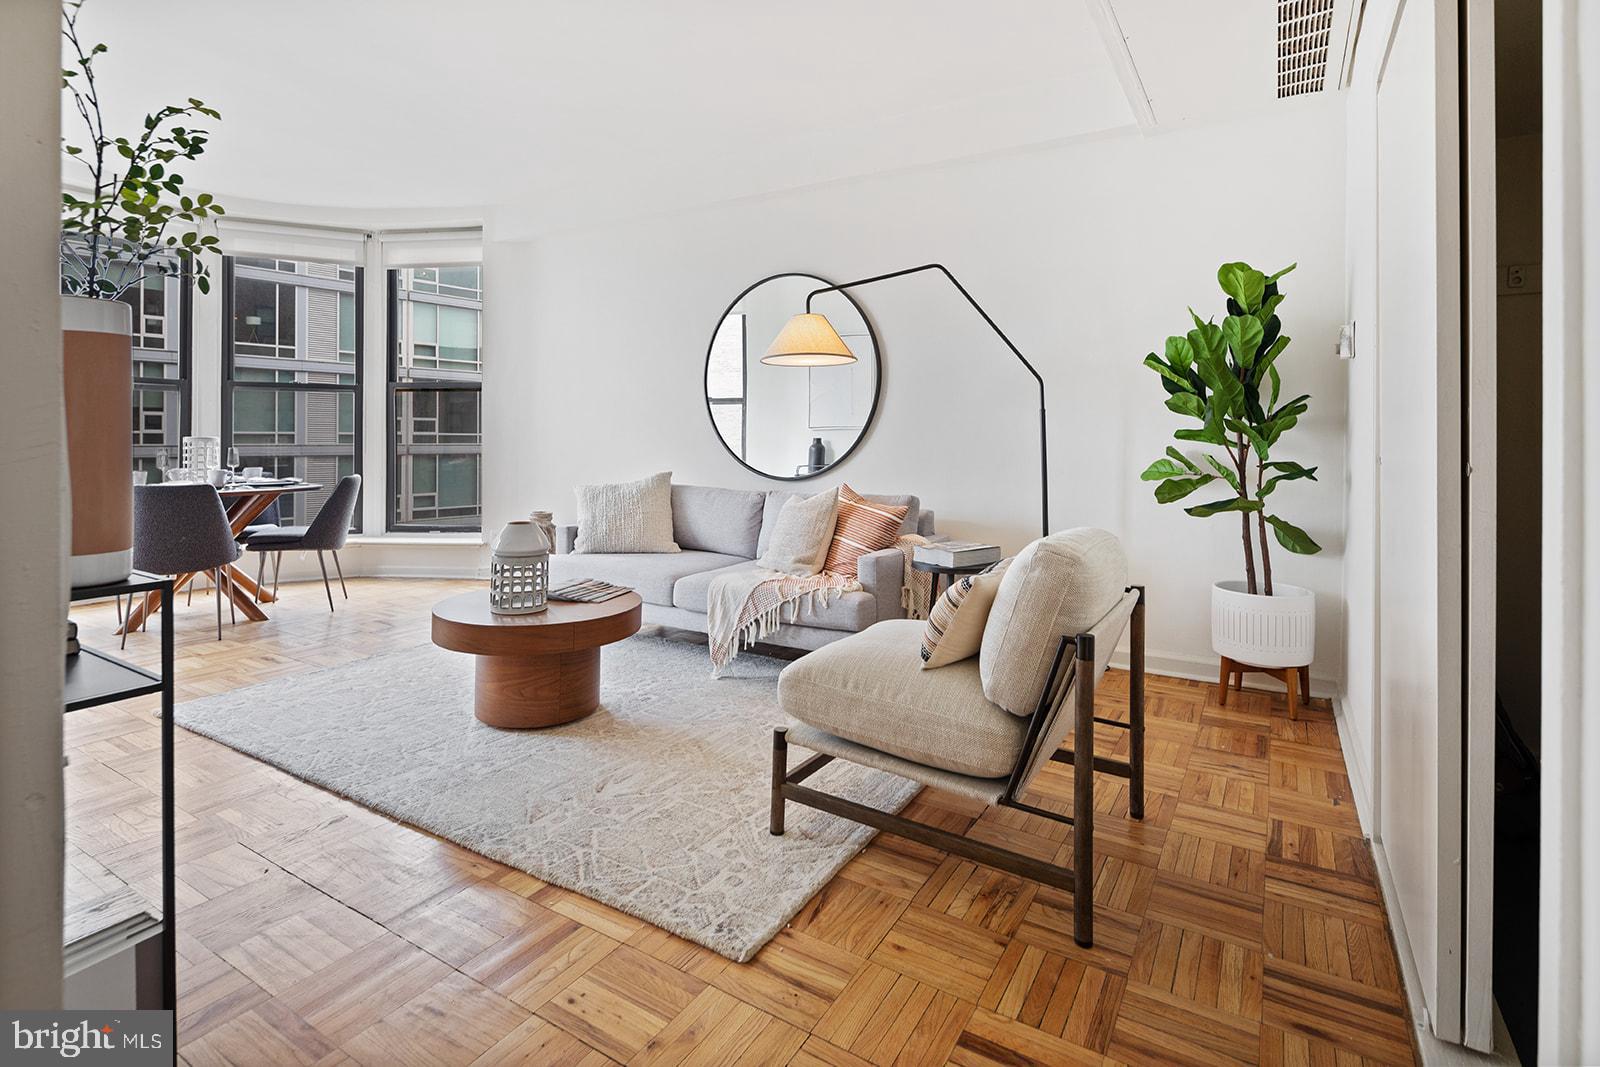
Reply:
x=656, y=804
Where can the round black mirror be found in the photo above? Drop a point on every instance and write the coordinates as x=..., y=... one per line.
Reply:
x=786, y=421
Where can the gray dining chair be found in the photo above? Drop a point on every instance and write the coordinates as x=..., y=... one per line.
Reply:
x=182, y=528
x=325, y=533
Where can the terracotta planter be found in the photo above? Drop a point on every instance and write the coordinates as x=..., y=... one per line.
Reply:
x=98, y=362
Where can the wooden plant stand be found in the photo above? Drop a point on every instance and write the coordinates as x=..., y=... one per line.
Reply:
x=1295, y=679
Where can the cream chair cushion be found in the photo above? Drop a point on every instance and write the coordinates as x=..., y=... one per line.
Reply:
x=870, y=688
x=1059, y=585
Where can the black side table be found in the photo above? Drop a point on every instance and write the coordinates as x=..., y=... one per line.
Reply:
x=950, y=574
x=93, y=678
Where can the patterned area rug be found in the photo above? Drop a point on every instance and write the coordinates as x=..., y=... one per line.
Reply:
x=656, y=804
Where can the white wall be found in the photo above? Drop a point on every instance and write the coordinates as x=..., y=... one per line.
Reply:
x=32, y=535
x=1086, y=253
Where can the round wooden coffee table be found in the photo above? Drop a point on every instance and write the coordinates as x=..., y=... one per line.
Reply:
x=534, y=670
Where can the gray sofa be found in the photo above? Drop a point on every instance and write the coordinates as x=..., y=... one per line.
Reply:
x=723, y=529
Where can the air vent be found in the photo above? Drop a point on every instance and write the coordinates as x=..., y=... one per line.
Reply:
x=1303, y=29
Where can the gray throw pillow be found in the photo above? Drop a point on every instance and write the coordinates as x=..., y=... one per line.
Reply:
x=802, y=535
x=626, y=516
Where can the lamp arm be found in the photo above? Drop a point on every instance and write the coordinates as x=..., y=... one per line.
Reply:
x=1044, y=478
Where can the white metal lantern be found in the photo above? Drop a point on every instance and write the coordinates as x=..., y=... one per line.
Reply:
x=519, y=570
x=202, y=453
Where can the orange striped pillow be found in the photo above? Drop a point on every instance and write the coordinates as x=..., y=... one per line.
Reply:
x=862, y=527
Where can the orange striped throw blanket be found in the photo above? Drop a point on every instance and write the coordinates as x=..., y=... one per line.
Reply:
x=744, y=606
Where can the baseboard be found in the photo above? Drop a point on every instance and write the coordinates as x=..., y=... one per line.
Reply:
x=1355, y=766
x=1204, y=669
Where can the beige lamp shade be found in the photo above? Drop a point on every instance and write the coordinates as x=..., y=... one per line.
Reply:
x=808, y=340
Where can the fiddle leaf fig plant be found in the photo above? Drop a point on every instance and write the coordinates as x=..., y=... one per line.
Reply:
x=1225, y=378
x=136, y=215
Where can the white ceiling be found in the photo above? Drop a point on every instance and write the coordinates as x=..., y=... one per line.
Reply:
x=573, y=109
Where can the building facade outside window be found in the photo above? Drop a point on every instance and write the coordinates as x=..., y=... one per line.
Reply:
x=435, y=410
x=291, y=398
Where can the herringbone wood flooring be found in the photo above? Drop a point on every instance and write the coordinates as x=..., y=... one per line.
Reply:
x=1239, y=923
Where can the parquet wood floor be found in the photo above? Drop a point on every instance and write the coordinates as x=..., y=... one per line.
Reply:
x=1239, y=923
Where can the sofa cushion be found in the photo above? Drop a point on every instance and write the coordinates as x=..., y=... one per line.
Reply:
x=709, y=519
x=626, y=516
x=777, y=497
x=955, y=623
x=1059, y=585
x=869, y=688
x=847, y=612
x=650, y=574
x=864, y=526
x=800, y=538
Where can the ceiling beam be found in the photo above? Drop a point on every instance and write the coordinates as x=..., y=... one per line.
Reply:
x=1121, y=56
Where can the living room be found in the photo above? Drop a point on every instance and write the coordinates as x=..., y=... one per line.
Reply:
x=654, y=535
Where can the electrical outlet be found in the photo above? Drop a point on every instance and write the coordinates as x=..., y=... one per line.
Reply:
x=1347, y=341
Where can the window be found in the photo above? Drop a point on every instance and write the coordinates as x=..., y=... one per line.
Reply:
x=725, y=381
x=291, y=399
x=435, y=402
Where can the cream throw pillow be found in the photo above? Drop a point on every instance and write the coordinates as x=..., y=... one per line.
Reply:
x=802, y=534
x=626, y=516
x=955, y=624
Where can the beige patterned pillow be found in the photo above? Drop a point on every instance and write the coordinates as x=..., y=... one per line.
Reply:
x=626, y=516
x=801, y=536
x=955, y=624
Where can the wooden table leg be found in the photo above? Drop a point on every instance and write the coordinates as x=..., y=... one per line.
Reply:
x=137, y=612
x=519, y=692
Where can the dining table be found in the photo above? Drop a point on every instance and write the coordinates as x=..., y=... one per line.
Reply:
x=244, y=501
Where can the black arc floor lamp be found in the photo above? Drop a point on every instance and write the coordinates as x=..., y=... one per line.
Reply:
x=809, y=340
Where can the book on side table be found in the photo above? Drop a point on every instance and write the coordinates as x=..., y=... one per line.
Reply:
x=956, y=553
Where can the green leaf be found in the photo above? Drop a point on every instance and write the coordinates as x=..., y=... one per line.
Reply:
x=1281, y=273
x=1178, y=488
x=1277, y=383
x=1292, y=537
x=1257, y=441
x=1227, y=475
x=1298, y=402
x=1291, y=472
x=1187, y=404
x=1269, y=304
x=1153, y=361
x=1209, y=434
x=1242, y=282
x=1243, y=333
x=1181, y=458
x=1180, y=353
x=1161, y=470
x=1211, y=363
x=1217, y=507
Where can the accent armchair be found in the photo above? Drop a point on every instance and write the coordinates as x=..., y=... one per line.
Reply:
x=986, y=726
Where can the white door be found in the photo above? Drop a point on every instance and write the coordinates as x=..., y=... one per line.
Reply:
x=1420, y=496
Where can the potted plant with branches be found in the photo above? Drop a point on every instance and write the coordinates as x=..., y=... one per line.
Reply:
x=1226, y=378
x=132, y=219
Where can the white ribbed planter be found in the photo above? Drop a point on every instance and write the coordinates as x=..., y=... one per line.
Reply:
x=1264, y=631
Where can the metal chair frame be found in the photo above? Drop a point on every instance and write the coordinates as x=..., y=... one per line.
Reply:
x=787, y=785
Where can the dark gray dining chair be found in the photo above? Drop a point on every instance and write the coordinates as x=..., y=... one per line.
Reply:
x=326, y=533
x=182, y=528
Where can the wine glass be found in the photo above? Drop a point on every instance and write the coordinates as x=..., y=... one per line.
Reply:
x=233, y=464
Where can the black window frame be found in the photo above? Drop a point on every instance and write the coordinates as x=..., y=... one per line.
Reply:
x=230, y=384
x=392, y=521
x=182, y=384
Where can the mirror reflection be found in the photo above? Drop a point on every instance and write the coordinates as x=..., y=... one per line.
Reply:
x=785, y=421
